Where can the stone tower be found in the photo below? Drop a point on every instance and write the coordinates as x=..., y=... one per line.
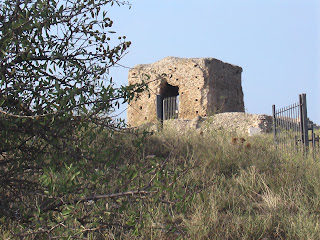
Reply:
x=203, y=86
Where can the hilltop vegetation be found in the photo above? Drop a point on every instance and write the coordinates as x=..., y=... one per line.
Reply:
x=68, y=171
x=211, y=185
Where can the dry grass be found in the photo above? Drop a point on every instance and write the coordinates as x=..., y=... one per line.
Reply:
x=241, y=187
x=248, y=191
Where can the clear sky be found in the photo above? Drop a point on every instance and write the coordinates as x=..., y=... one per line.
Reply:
x=276, y=42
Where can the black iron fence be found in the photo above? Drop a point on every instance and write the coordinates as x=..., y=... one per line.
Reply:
x=170, y=108
x=167, y=107
x=291, y=128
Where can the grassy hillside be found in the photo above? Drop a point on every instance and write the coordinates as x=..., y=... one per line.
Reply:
x=246, y=189
x=201, y=185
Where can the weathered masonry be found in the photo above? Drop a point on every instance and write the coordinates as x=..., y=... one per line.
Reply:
x=199, y=87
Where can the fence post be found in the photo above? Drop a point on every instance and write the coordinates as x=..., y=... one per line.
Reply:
x=274, y=125
x=159, y=102
x=304, y=120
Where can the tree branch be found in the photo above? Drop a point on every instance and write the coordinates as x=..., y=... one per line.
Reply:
x=94, y=198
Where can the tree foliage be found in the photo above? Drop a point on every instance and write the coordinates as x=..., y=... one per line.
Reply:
x=55, y=57
x=54, y=62
x=55, y=93
x=64, y=170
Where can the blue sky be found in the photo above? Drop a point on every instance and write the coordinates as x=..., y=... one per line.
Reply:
x=276, y=42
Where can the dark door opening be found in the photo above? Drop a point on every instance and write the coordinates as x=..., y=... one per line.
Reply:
x=170, y=104
x=167, y=90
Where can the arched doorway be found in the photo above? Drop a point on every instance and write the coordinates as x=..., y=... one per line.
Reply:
x=170, y=102
x=167, y=90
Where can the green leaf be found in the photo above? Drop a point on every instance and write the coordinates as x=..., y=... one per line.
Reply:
x=57, y=86
x=3, y=52
x=66, y=212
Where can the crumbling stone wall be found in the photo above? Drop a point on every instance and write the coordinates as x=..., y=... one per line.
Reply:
x=205, y=86
x=237, y=123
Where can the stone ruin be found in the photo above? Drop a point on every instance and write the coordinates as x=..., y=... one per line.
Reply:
x=203, y=86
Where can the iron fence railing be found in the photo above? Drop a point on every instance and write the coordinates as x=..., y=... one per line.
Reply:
x=287, y=127
x=170, y=108
x=291, y=128
x=167, y=107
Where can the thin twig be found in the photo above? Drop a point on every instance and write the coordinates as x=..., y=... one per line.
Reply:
x=97, y=197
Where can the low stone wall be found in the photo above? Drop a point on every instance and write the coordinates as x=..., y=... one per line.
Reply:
x=244, y=124
x=235, y=122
